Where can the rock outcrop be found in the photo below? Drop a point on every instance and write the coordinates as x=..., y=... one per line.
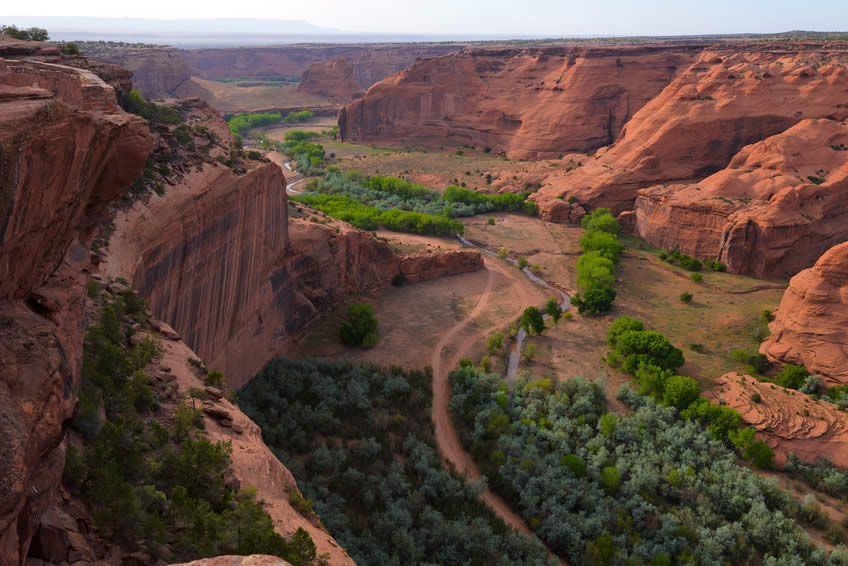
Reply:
x=529, y=103
x=117, y=77
x=333, y=79
x=371, y=63
x=810, y=327
x=728, y=98
x=157, y=70
x=789, y=421
x=778, y=205
x=253, y=560
x=66, y=151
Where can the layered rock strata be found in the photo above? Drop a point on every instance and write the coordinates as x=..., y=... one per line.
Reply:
x=66, y=151
x=789, y=421
x=726, y=99
x=529, y=103
x=778, y=205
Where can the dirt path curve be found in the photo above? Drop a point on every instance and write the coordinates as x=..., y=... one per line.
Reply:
x=447, y=438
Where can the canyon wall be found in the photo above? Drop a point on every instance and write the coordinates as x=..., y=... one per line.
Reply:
x=778, y=205
x=728, y=98
x=333, y=79
x=66, y=151
x=371, y=63
x=157, y=71
x=220, y=261
x=810, y=327
x=529, y=103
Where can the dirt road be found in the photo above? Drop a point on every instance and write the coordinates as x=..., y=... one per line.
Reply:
x=447, y=438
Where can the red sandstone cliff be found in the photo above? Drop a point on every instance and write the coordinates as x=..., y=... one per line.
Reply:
x=66, y=151
x=371, y=63
x=810, y=327
x=530, y=103
x=726, y=99
x=218, y=261
x=762, y=215
x=156, y=71
x=333, y=79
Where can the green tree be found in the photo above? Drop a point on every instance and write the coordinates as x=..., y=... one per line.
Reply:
x=680, y=392
x=532, y=320
x=610, y=479
x=791, y=376
x=595, y=269
x=359, y=327
x=494, y=342
x=604, y=243
x=596, y=299
x=553, y=309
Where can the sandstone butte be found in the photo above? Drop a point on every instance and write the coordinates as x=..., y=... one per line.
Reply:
x=529, y=103
x=333, y=79
x=810, y=327
x=67, y=148
x=789, y=421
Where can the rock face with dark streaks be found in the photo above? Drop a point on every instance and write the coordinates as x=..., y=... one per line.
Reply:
x=156, y=71
x=66, y=151
x=529, y=103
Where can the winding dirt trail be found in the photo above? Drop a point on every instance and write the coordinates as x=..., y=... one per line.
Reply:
x=447, y=438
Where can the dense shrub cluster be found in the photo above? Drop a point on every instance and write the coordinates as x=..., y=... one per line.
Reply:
x=28, y=34
x=153, y=486
x=359, y=327
x=369, y=218
x=596, y=267
x=308, y=156
x=645, y=488
x=690, y=263
x=385, y=193
x=134, y=103
x=506, y=202
x=359, y=440
x=243, y=122
x=653, y=360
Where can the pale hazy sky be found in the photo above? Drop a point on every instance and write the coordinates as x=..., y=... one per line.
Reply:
x=537, y=17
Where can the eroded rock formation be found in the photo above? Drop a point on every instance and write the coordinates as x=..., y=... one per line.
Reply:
x=66, y=151
x=789, y=421
x=530, y=103
x=253, y=560
x=778, y=205
x=810, y=327
x=728, y=98
x=333, y=79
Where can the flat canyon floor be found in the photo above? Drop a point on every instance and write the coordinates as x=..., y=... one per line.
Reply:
x=721, y=317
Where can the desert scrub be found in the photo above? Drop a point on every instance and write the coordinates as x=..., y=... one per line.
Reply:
x=145, y=481
x=359, y=440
